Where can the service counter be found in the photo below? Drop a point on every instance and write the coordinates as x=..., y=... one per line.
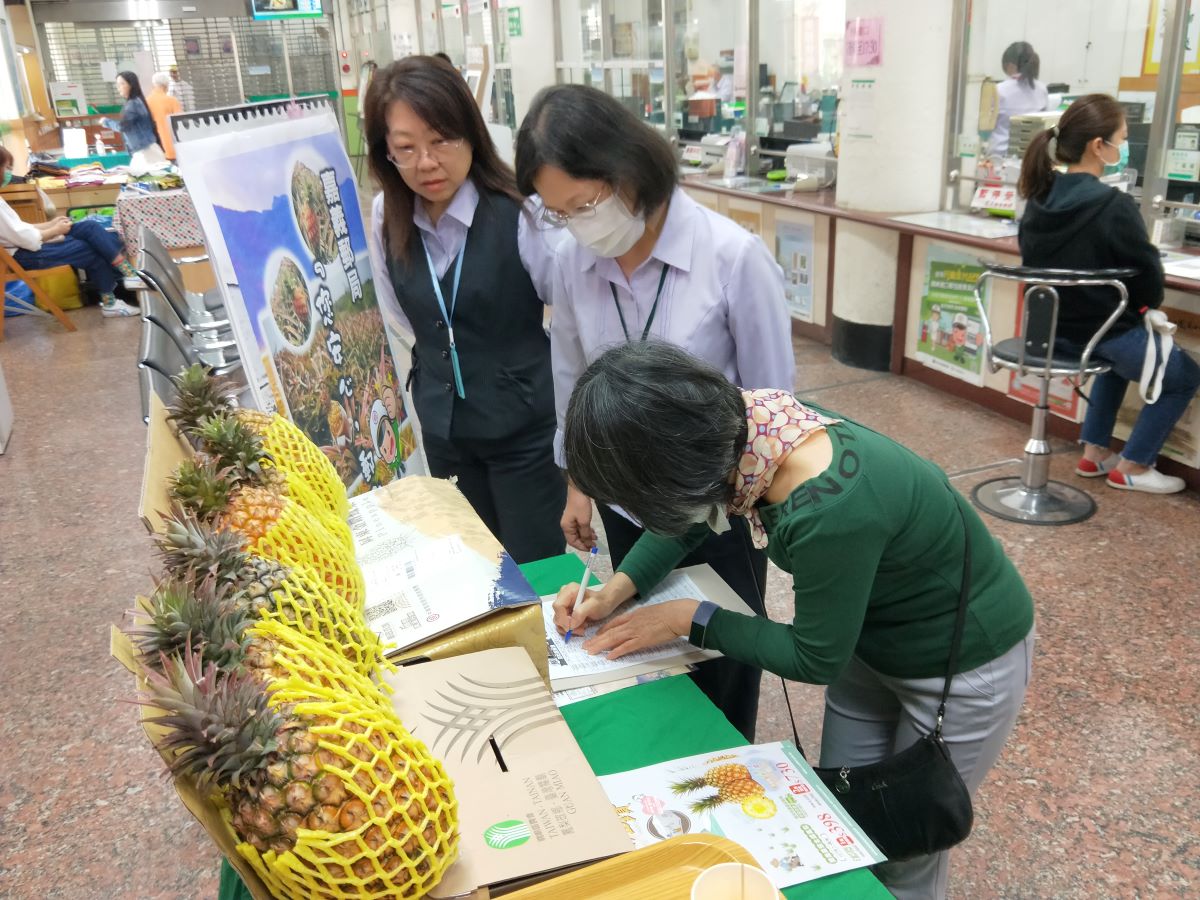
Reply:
x=934, y=277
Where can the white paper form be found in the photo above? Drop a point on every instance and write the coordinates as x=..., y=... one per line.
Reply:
x=419, y=591
x=573, y=667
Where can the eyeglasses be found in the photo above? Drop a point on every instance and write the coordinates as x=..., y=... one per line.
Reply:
x=441, y=150
x=552, y=218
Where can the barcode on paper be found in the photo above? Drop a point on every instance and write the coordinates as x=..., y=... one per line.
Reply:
x=379, y=610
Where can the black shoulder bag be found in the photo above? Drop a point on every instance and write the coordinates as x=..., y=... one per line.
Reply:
x=912, y=803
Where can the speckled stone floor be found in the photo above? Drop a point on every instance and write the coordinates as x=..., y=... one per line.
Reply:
x=1095, y=796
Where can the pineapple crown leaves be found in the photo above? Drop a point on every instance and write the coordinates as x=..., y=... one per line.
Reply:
x=202, y=486
x=199, y=394
x=185, y=614
x=234, y=446
x=187, y=544
x=689, y=784
x=219, y=727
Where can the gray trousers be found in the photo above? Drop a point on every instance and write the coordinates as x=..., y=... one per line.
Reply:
x=869, y=716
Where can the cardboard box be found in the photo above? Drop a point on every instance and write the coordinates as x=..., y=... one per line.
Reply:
x=529, y=804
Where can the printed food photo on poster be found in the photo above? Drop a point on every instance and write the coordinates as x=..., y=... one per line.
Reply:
x=950, y=336
x=296, y=244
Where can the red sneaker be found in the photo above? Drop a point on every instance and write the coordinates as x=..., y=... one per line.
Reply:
x=1088, y=469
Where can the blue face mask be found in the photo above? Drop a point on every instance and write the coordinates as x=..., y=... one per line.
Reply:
x=1122, y=158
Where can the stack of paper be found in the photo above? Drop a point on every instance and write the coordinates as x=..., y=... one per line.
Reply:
x=572, y=667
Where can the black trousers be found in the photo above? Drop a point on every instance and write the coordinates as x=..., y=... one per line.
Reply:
x=732, y=686
x=512, y=484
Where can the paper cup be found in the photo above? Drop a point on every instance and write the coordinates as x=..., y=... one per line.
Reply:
x=733, y=881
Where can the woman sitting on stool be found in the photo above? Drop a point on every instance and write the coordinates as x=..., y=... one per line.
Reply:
x=1074, y=221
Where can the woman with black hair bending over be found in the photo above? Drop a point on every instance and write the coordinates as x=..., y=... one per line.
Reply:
x=873, y=536
x=459, y=266
x=1075, y=221
x=1018, y=94
x=638, y=258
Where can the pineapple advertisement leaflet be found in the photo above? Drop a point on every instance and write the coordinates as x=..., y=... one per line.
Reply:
x=764, y=797
x=310, y=330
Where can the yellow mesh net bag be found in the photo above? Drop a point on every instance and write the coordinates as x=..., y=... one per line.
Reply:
x=395, y=829
x=301, y=491
x=306, y=603
x=297, y=538
x=294, y=453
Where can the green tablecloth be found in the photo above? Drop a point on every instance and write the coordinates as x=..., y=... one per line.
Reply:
x=640, y=726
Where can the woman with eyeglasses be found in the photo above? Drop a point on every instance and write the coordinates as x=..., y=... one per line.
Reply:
x=640, y=259
x=457, y=265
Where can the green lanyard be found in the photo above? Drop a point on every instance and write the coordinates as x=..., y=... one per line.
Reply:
x=662, y=279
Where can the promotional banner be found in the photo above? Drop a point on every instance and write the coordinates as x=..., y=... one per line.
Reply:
x=765, y=797
x=951, y=333
x=281, y=214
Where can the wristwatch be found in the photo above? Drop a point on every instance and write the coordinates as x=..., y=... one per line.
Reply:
x=700, y=619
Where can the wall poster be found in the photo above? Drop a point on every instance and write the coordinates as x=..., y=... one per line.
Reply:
x=794, y=253
x=281, y=216
x=950, y=336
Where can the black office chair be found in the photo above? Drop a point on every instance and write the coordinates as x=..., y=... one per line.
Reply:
x=1032, y=497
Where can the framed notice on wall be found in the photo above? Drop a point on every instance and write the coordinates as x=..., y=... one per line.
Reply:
x=950, y=331
x=794, y=253
x=1156, y=34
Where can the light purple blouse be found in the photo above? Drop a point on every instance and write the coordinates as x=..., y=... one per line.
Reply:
x=722, y=301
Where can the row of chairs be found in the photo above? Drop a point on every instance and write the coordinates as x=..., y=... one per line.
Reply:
x=179, y=327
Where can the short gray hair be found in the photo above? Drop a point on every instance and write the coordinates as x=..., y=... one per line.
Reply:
x=655, y=431
x=162, y=79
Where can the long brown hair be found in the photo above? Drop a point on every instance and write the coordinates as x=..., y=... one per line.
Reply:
x=439, y=95
x=1090, y=117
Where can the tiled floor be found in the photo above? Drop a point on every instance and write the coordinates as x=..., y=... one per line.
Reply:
x=1095, y=796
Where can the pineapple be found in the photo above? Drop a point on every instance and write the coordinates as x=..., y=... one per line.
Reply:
x=235, y=445
x=293, y=595
x=201, y=395
x=275, y=527
x=329, y=796
x=733, y=782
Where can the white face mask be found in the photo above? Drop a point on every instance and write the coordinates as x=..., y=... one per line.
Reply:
x=612, y=231
x=714, y=516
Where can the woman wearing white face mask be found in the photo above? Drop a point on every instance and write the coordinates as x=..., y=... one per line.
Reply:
x=641, y=259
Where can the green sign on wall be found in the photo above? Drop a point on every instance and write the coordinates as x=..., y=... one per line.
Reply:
x=514, y=21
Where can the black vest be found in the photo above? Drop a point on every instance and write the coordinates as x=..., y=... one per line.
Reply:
x=503, y=350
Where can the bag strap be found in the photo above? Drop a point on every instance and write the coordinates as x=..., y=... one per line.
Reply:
x=960, y=620
x=960, y=617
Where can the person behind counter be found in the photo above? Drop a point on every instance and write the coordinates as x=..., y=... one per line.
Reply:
x=639, y=258
x=720, y=84
x=136, y=125
x=456, y=262
x=1018, y=94
x=162, y=106
x=1074, y=221
x=872, y=535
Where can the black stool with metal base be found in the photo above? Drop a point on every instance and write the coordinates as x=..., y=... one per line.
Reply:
x=1032, y=497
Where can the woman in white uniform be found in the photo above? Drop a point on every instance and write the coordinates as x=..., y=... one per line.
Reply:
x=1019, y=93
x=638, y=258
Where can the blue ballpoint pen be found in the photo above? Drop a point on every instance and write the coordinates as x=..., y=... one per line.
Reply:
x=587, y=574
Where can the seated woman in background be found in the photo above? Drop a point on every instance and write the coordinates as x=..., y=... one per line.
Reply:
x=874, y=537
x=1074, y=221
x=60, y=242
x=7, y=177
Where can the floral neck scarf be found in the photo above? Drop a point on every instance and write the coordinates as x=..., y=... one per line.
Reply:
x=776, y=423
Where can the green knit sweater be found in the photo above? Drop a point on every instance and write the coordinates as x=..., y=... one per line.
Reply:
x=874, y=545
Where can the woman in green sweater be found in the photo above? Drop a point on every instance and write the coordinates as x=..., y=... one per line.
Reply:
x=872, y=534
